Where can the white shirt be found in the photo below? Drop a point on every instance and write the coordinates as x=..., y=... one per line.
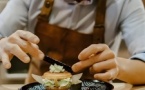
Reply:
x=127, y=16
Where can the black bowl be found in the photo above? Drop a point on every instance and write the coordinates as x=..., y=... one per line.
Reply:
x=33, y=86
x=85, y=85
x=88, y=84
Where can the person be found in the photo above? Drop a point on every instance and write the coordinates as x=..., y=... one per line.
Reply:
x=127, y=16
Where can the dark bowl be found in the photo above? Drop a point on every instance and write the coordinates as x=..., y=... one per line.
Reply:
x=33, y=86
x=88, y=84
x=85, y=85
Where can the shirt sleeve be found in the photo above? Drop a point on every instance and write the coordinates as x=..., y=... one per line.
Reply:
x=133, y=28
x=139, y=56
x=13, y=17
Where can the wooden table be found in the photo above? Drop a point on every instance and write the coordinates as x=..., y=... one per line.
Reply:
x=117, y=86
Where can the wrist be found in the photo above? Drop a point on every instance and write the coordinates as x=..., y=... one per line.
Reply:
x=131, y=71
x=123, y=68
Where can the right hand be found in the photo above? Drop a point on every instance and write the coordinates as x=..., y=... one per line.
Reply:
x=19, y=44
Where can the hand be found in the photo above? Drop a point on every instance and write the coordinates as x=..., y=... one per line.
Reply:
x=19, y=44
x=100, y=60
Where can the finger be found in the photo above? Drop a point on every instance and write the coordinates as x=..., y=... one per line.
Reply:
x=104, y=56
x=91, y=50
x=107, y=76
x=18, y=52
x=103, y=76
x=34, y=51
x=102, y=66
x=80, y=66
x=5, y=60
x=27, y=47
x=28, y=36
x=17, y=40
x=22, y=43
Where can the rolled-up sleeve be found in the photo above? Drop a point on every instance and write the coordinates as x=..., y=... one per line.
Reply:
x=133, y=28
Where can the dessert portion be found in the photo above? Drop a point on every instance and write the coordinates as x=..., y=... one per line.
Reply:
x=57, y=78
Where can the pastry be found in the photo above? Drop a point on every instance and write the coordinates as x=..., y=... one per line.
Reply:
x=57, y=78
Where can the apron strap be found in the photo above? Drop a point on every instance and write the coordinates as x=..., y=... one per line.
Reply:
x=46, y=10
x=99, y=27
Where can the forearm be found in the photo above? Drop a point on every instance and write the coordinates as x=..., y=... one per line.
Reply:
x=131, y=71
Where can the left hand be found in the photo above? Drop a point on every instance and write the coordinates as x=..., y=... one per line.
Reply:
x=100, y=60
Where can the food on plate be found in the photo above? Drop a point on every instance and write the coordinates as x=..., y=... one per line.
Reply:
x=57, y=78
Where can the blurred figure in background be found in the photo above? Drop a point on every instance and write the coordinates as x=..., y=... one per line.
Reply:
x=78, y=33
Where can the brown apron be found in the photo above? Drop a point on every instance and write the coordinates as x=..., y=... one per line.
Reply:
x=61, y=43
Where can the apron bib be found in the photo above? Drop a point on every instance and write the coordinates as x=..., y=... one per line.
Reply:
x=61, y=43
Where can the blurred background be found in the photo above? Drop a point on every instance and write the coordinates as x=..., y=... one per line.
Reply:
x=18, y=72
